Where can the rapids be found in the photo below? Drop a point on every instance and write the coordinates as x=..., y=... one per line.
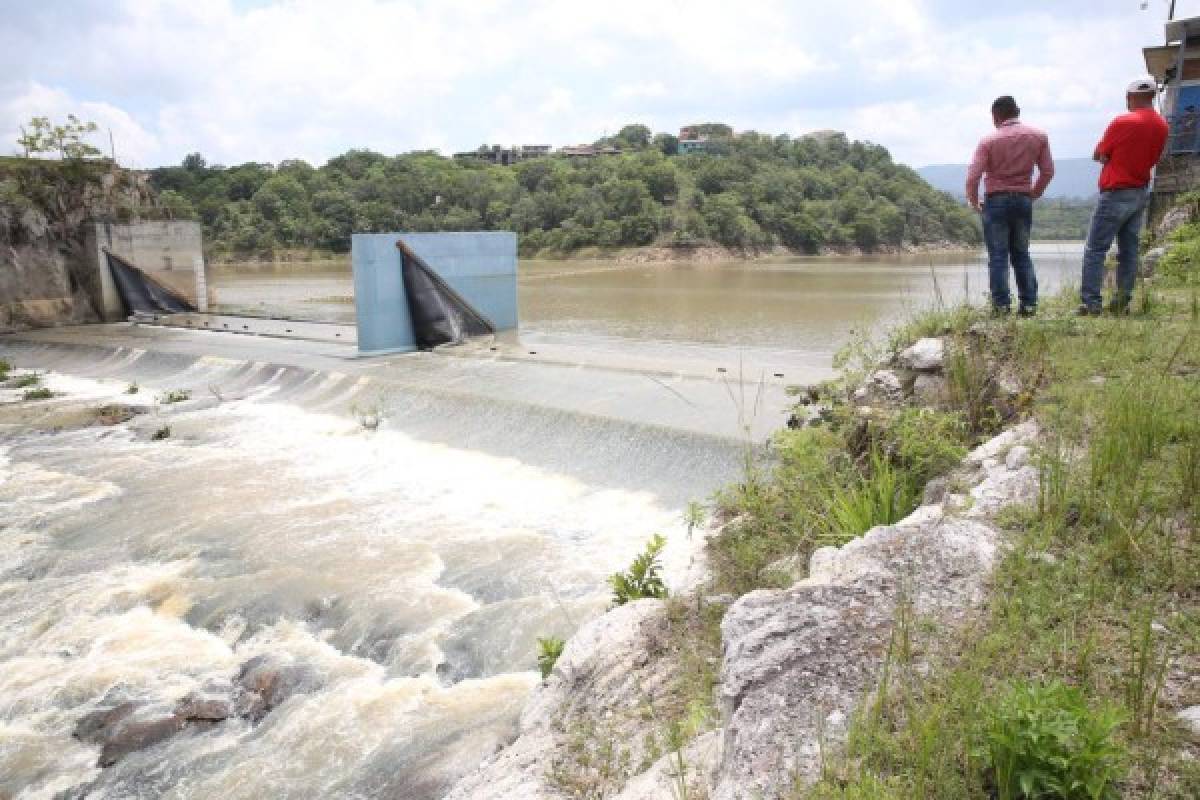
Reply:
x=412, y=567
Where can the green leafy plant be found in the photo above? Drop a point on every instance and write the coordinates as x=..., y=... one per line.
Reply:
x=1043, y=741
x=175, y=396
x=162, y=433
x=882, y=496
x=5, y=368
x=38, y=394
x=643, y=578
x=549, y=649
x=25, y=381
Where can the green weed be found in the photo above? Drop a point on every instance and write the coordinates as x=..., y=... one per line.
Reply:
x=162, y=433
x=38, y=394
x=548, y=652
x=643, y=578
x=1044, y=741
x=27, y=380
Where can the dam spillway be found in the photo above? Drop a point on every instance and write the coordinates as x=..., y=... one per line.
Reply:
x=402, y=528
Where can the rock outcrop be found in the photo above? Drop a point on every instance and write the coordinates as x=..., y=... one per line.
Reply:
x=47, y=272
x=262, y=684
x=797, y=662
x=591, y=716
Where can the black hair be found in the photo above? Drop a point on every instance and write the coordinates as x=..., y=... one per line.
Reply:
x=1006, y=108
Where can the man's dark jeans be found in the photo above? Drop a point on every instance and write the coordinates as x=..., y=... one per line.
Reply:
x=1007, y=219
x=1118, y=215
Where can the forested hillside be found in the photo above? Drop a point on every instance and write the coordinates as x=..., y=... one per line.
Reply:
x=753, y=192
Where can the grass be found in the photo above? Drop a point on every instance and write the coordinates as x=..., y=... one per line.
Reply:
x=27, y=380
x=1093, y=624
x=829, y=484
x=41, y=393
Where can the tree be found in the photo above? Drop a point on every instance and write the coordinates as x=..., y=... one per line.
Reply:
x=634, y=137
x=41, y=136
x=194, y=162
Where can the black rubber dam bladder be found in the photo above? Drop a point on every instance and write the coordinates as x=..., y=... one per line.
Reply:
x=439, y=314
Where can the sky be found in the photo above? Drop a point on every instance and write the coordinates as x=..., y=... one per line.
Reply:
x=268, y=80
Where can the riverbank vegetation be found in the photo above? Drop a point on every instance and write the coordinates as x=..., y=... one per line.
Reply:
x=1066, y=684
x=750, y=192
x=1098, y=591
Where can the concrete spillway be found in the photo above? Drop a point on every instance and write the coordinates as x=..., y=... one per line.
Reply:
x=409, y=568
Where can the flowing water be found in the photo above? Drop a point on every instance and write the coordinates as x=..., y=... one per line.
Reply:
x=409, y=569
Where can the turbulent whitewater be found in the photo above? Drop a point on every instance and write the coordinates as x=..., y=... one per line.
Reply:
x=408, y=567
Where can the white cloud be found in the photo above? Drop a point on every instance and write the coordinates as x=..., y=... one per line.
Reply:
x=640, y=91
x=310, y=79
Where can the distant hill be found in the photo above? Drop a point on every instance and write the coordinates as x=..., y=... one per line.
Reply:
x=1073, y=177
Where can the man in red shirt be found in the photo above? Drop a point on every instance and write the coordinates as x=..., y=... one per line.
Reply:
x=1005, y=160
x=1131, y=147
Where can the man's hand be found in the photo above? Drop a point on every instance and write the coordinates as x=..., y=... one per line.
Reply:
x=1036, y=194
x=975, y=204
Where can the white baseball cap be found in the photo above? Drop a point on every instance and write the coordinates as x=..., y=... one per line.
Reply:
x=1143, y=85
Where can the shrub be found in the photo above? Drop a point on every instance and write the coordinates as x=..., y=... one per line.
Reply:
x=38, y=394
x=643, y=579
x=1043, y=741
x=162, y=433
x=5, y=368
x=25, y=381
x=548, y=652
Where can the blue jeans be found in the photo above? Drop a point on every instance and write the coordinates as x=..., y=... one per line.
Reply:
x=1007, y=218
x=1119, y=216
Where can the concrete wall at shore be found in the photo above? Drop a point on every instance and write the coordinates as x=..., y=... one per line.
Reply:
x=170, y=251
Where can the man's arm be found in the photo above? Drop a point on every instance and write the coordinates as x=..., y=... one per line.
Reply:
x=1104, y=149
x=975, y=172
x=1045, y=165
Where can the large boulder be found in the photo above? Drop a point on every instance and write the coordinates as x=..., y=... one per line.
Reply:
x=925, y=355
x=607, y=678
x=798, y=662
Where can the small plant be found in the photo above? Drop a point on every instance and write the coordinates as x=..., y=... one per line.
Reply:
x=132, y=388
x=1043, y=741
x=549, y=650
x=26, y=381
x=693, y=516
x=175, y=396
x=5, y=368
x=883, y=496
x=162, y=433
x=38, y=394
x=643, y=579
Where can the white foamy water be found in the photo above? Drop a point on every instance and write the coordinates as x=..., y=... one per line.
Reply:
x=412, y=575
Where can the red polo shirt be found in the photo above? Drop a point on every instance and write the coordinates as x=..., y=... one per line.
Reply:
x=1133, y=143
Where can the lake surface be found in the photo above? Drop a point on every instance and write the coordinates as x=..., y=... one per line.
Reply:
x=793, y=313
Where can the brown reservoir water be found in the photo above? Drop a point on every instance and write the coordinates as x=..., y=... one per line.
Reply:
x=787, y=313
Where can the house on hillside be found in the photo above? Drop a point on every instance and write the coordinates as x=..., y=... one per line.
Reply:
x=495, y=154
